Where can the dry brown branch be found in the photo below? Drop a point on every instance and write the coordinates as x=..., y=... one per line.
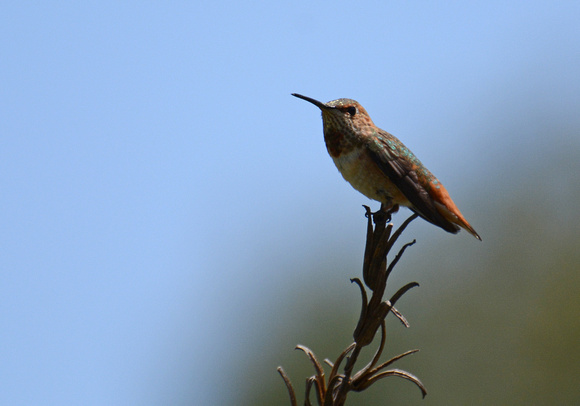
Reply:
x=333, y=389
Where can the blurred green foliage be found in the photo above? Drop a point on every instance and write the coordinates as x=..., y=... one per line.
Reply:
x=497, y=322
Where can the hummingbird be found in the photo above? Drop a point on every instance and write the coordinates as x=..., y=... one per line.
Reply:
x=382, y=168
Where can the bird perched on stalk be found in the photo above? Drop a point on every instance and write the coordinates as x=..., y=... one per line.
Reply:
x=379, y=166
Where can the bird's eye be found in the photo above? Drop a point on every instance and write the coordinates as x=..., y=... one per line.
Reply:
x=351, y=110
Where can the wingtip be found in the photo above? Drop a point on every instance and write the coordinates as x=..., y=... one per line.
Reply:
x=473, y=233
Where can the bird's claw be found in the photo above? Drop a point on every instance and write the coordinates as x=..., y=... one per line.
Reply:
x=384, y=214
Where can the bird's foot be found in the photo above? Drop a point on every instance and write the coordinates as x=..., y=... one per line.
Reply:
x=384, y=214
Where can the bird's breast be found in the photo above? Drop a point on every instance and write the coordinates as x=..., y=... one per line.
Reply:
x=358, y=169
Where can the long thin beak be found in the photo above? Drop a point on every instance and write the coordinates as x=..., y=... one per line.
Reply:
x=318, y=104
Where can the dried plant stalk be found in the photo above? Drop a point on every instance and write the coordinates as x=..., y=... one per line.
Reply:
x=332, y=390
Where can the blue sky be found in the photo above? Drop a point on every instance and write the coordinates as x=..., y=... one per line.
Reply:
x=154, y=167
